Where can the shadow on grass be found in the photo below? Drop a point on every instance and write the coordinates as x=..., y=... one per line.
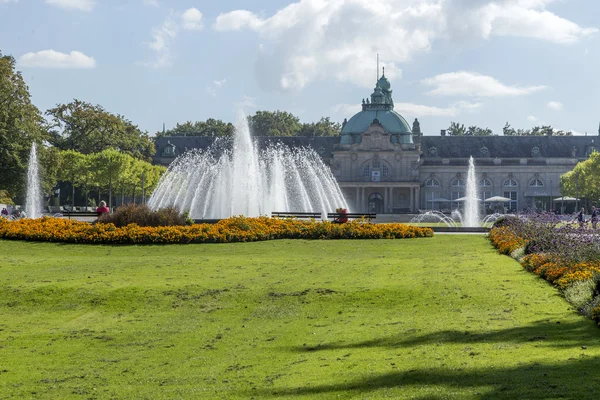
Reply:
x=551, y=334
x=573, y=379
x=565, y=379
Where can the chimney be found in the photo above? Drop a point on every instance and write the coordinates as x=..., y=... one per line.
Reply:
x=443, y=132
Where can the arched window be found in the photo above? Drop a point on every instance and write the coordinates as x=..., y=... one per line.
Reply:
x=458, y=182
x=510, y=183
x=536, y=183
x=366, y=171
x=432, y=183
x=376, y=165
x=385, y=170
x=590, y=150
x=485, y=182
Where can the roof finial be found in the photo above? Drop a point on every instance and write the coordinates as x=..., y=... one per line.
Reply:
x=378, y=73
x=383, y=71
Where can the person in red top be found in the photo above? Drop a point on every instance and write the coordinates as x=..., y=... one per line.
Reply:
x=102, y=209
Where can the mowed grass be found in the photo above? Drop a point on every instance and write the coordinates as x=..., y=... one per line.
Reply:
x=437, y=318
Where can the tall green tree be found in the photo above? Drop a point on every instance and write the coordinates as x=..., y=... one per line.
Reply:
x=21, y=124
x=544, y=130
x=456, y=129
x=89, y=128
x=584, y=179
x=72, y=170
x=109, y=168
x=324, y=127
x=274, y=123
x=211, y=127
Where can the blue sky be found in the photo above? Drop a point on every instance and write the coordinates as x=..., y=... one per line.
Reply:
x=478, y=62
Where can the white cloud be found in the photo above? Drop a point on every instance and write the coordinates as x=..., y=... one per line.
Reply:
x=413, y=110
x=337, y=39
x=162, y=37
x=247, y=102
x=576, y=133
x=463, y=83
x=532, y=118
x=192, y=19
x=153, y=3
x=419, y=110
x=346, y=110
x=81, y=5
x=555, y=105
x=55, y=59
x=8, y=1
x=213, y=88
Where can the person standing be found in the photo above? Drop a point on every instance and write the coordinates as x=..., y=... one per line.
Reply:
x=581, y=217
x=595, y=215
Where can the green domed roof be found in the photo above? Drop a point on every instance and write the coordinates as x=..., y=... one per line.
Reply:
x=391, y=121
x=379, y=110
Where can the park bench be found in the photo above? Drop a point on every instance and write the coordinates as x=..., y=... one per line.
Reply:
x=336, y=216
x=70, y=214
x=299, y=215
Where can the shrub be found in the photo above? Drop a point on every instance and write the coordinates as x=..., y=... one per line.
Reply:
x=236, y=229
x=142, y=215
x=5, y=198
x=581, y=293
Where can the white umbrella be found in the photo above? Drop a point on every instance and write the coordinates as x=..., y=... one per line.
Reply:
x=440, y=200
x=497, y=199
x=465, y=199
x=566, y=198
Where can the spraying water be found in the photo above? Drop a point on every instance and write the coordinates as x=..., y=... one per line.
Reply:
x=243, y=181
x=33, y=201
x=471, y=217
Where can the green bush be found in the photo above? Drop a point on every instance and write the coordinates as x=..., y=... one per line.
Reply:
x=5, y=198
x=580, y=294
x=142, y=215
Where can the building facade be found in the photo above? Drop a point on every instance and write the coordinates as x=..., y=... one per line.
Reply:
x=383, y=165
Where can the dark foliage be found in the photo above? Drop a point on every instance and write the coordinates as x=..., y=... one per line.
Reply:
x=142, y=215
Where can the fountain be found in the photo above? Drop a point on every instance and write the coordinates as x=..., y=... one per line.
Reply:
x=33, y=201
x=241, y=180
x=470, y=217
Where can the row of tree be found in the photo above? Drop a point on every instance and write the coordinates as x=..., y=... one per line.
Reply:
x=109, y=171
x=457, y=129
x=262, y=123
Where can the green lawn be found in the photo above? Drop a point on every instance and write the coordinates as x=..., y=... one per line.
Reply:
x=437, y=318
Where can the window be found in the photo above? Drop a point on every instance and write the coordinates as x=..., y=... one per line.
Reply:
x=429, y=204
x=432, y=183
x=376, y=166
x=458, y=182
x=510, y=183
x=385, y=170
x=512, y=204
x=590, y=150
x=485, y=195
x=366, y=172
x=456, y=195
x=485, y=183
x=536, y=183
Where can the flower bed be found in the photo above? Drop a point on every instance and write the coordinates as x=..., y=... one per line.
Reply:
x=236, y=229
x=565, y=255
